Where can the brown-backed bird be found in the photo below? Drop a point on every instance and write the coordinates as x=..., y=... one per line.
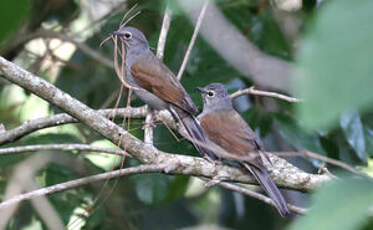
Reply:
x=232, y=138
x=161, y=89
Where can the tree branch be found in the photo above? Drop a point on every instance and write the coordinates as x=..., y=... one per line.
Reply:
x=265, y=70
x=61, y=147
x=126, y=172
x=192, y=40
x=22, y=180
x=321, y=158
x=61, y=119
x=282, y=172
x=79, y=182
x=83, y=47
x=148, y=128
x=164, y=31
x=253, y=91
x=261, y=197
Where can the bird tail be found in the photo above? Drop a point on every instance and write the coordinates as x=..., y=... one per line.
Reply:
x=194, y=131
x=270, y=188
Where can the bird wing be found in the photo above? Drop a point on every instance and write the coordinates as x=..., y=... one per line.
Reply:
x=154, y=76
x=227, y=129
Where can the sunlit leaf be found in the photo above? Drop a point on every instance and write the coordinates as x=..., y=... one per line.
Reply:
x=104, y=160
x=151, y=188
x=340, y=205
x=334, y=67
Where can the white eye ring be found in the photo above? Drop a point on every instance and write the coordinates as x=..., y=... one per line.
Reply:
x=127, y=35
x=210, y=93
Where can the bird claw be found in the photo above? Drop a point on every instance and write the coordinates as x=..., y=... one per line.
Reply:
x=150, y=124
x=215, y=162
x=215, y=181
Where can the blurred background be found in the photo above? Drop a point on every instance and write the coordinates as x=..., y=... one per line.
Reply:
x=319, y=51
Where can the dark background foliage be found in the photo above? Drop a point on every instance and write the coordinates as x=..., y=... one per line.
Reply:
x=335, y=119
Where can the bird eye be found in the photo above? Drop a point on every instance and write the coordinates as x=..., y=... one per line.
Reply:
x=127, y=35
x=210, y=93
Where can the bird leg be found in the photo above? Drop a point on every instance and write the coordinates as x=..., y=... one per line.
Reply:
x=150, y=122
x=215, y=162
x=215, y=181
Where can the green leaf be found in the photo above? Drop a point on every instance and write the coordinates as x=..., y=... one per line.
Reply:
x=335, y=69
x=12, y=14
x=353, y=130
x=104, y=161
x=258, y=120
x=177, y=188
x=97, y=218
x=165, y=141
x=296, y=136
x=56, y=173
x=262, y=32
x=342, y=205
x=367, y=119
x=66, y=202
x=369, y=138
x=52, y=138
x=151, y=188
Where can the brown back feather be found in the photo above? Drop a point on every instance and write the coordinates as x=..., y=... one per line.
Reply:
x=227, y=129
x=154, y=76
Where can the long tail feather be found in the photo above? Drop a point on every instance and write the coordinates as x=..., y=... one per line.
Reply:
x=270, y=188
x=194, y=130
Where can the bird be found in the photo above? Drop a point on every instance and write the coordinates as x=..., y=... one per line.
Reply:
x=156, y=85
x=232, y=138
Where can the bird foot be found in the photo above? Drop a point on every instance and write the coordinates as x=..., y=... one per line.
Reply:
x=150, y=121
x=211, y=160
x=149, y=124
x=215, y=181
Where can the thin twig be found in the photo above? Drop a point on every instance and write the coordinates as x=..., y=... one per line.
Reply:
x=128, y=106
x=164, y=31
x=123, y=172
x=83, y=47
x=130, y=19
x=30, y=36
x=235, y=48
x=61, y=119
x=82, y=181
x=256, y=195
x=140, y=112
x=282, y=172
x=122, y=22
x=192, y=41
x=61, y=147
x=20, y=181
x=254, y=91
x=149, y=127
x=121, y=71
x=321, y=158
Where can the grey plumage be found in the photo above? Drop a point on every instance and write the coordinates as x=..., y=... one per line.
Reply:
x=161, y=89
x=138, y=48
x=225, y=128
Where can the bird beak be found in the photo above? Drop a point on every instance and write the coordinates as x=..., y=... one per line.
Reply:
x=200, y=89
x=117, y=33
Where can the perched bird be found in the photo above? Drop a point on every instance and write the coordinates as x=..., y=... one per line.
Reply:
x=160, y=88
x=232, y=138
